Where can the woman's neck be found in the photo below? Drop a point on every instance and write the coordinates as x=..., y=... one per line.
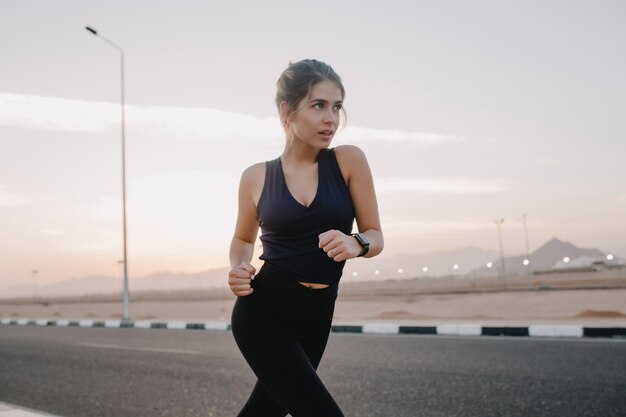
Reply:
x=299, y=154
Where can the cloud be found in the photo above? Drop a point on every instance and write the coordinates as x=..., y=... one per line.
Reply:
x=10, y=200
x=52, y=113
x=441, y=185
x=357, y=134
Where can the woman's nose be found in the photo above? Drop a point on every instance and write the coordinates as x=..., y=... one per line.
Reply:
x=330, y=117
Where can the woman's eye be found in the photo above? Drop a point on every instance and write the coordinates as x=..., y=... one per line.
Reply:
x=321, y=106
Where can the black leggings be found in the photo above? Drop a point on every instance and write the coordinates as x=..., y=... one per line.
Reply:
x=282, y=329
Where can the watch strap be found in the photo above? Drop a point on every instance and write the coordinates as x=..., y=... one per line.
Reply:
x=365, y=244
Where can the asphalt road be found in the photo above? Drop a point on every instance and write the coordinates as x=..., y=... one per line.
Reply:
x=86, y=372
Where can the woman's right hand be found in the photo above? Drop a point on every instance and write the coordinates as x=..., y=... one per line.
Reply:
x=239, y=279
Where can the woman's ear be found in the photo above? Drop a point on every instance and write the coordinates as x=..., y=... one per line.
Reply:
x=284, y=112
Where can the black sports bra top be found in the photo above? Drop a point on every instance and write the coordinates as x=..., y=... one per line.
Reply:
x=289, y=230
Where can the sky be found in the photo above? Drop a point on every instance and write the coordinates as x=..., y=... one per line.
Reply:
x=468, y=112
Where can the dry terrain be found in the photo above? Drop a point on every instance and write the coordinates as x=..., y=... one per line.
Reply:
x=593, y=299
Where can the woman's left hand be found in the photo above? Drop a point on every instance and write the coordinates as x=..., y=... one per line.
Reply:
x=339, y=246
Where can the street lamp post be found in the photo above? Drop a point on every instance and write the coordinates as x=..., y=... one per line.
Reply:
x=95, y=33
x=499, y=224
x=528, y=265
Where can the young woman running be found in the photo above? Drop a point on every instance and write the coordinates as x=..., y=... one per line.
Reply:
x=305, y=202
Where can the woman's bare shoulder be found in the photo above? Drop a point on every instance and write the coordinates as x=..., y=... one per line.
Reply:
x=349, y=151
x=252, y=181
x=350, y=158
x=253, y=172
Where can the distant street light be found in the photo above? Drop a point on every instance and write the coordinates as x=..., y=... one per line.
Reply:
x=489, y=264
x=95, y=33
x=400, y=270
x=609, y=257
x=529, y=272
x=566, y=259
x=502, y=271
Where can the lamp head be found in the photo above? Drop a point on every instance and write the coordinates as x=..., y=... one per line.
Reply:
x=91, y=30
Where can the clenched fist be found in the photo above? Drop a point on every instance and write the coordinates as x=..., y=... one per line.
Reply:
x=239, y=279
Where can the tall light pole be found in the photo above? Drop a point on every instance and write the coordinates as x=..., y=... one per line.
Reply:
x=499, y=224
x=95, y=33
x=527, y=264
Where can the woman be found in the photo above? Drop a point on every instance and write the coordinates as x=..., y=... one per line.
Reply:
x=305, y=202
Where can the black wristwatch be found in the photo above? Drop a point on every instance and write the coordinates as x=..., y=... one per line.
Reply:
x=365, y=244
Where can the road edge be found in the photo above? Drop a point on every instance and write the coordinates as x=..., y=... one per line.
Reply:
x=533, y=330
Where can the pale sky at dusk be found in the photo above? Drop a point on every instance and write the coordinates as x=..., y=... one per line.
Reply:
x=467, y=111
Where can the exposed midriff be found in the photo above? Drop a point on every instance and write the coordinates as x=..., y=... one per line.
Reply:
x=313, y=285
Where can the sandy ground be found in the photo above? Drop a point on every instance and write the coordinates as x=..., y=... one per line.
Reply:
x=415, y=302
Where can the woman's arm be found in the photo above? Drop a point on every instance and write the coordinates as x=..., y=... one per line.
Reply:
x=357, y=173
x=246, y=229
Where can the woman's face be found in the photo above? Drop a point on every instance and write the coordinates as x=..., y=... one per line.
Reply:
x=317, y=119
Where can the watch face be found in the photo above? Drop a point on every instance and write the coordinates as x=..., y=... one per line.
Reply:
x=365, y=244
x=361, y=237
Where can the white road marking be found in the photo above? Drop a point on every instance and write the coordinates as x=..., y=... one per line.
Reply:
x=145, y=349
x=213, y=325
x=380, y=328
x=11, y=410
x=459, y=329
x=550, y=330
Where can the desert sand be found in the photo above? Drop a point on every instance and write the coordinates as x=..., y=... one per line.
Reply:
x=599, y=300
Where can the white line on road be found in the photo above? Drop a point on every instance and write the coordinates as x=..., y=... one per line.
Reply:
x=146, y=349
x=11, y=410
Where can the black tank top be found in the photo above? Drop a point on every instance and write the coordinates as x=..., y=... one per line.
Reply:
x=289, y=230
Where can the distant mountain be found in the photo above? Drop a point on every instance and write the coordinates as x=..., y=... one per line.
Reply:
x=100, y=284
x=438, y=263
x=545, y=257
x=469, y=261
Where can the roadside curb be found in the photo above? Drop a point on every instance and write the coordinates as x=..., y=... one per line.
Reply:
x=10, y=410
x=537, y=330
